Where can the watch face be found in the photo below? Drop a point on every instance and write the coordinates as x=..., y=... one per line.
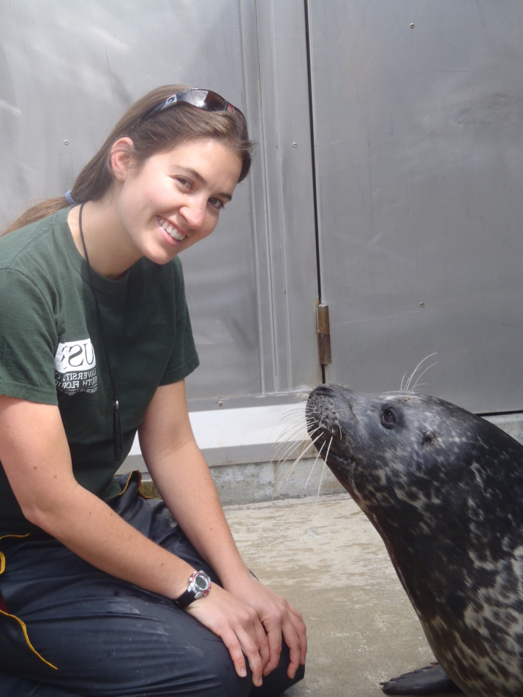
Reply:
x=201, y=583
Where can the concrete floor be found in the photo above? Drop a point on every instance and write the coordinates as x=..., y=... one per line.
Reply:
x=324, y=556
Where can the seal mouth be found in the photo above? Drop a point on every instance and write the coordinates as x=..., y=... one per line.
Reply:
x=332, y=448
x=327, y=438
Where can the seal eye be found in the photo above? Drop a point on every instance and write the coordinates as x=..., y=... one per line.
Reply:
x=388, y=418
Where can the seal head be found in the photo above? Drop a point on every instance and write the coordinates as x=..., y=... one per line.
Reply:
x=444, y=489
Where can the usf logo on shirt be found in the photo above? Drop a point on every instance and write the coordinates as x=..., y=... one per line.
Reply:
x=75, y=367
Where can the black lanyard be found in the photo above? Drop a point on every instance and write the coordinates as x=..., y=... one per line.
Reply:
x=117, y=428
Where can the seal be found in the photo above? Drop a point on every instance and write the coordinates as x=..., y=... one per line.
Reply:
x=444, y=489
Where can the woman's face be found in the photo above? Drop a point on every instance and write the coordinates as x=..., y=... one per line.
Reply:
x=174, y=199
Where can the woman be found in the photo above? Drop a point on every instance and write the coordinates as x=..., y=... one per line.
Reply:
x=101, y=591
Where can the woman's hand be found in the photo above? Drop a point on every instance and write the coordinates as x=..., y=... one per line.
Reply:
x=238, y=626
x=253, y=621
x=279, y=619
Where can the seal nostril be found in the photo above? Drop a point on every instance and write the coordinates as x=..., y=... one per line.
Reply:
x=428, y=439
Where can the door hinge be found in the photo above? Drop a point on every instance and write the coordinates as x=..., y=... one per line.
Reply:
x=324, y=333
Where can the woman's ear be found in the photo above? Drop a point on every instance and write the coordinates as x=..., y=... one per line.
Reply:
x=121, y=158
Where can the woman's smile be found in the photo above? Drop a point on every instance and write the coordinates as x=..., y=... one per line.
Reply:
x=171, y=230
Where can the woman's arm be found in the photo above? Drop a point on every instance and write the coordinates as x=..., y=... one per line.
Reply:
x=35, y=455
x=181, y=474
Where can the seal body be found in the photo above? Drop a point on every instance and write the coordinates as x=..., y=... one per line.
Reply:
x=444, y=489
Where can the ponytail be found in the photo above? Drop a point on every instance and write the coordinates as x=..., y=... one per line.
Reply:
x=39, y=210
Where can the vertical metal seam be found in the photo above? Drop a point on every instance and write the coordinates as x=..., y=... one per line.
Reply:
x=256, y=241
x=313, y=157
x=276, y=205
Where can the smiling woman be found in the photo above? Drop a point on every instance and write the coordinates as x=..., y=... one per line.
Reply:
x=102, y=590
x=160, y=208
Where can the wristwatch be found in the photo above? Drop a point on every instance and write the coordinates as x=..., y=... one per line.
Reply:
x=199, y=585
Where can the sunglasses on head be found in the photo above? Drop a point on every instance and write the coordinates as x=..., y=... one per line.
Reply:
x=201, y=99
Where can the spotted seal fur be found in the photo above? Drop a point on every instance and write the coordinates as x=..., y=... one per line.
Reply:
x=444, y=489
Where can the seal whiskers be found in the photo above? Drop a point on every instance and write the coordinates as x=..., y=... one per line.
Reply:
x=318, y=456
x=295, y=431
x=323, y=468
x=407, y=387
x=321, y=478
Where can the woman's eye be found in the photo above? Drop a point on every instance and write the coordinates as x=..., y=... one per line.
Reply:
x=388, y=418
x=185, y=183
x=216, y=203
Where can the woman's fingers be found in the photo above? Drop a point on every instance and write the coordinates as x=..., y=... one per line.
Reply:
x=239, y=628
x=274, y=638
x=254, y=629
x=281, y=621
x=286, y=628
x=295, y=637
x=241, y=646
x=296, y=619
x=262, y=641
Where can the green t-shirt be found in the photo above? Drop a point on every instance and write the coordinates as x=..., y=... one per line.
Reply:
x=52, y=352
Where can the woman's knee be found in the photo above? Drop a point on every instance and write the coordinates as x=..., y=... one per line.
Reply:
x=278, y=681
x=219, y=676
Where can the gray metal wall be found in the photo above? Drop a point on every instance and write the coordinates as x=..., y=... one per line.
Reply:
x=419, y=158
x=417, y=112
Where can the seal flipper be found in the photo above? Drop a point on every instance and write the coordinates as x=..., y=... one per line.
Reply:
x=431, y=680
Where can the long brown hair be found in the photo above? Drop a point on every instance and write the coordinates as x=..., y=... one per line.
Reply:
x=159, y=133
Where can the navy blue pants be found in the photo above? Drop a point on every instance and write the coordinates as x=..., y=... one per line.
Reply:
x=68, y=629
